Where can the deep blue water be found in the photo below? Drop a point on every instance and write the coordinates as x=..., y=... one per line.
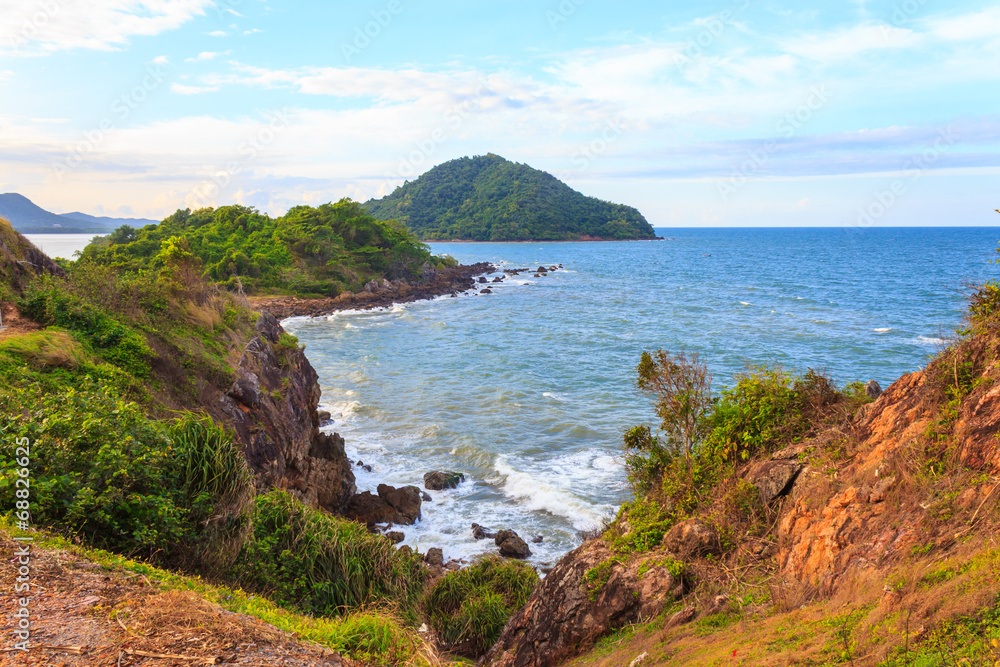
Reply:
x=528, y=390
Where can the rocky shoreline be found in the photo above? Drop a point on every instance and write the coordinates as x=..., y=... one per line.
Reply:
x=452, y=280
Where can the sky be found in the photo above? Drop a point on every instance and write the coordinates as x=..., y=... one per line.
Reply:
x=713, y=113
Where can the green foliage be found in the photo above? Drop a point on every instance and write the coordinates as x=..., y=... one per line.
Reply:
x=487, y=198
x=767, y=408
x=596, y=577
x=308, y=251
x=468, y=608
x=682, y=388
x=640, y=526
x=645, y=459
x=101, y=470
x=322, y=564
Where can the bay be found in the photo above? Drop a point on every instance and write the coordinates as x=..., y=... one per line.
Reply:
x=528, y=390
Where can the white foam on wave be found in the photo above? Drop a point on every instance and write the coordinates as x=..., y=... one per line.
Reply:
x=559, y=398
x=540, y=496
x=744, y=303
x=931, y=340
x=882, y=330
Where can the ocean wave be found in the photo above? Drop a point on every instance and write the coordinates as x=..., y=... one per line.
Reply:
x=559, y=398
x=745, y=303
x=882, y=330
x=539, y=495
x=931, y=340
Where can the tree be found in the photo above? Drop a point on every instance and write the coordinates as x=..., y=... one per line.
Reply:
x=682, y=387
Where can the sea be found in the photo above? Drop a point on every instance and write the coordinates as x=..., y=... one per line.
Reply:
x=527, y=391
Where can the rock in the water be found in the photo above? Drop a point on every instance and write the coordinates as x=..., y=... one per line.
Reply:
x=511, y=545
x=426, y=497
x=391, y=505
x=325, y=418
x=537, y=539
x=434, y=557
x=481, y=533
x=774, y=478
x=514, y=547
x=692, y=538
x=442, y=479
x=486, y=291
x=541, y=269
x=395, y=536
x=873, y=389
x=406, y=500
x=482, y=279
x=498, y=279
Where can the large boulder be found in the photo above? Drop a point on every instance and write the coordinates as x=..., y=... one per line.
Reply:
x=774, y=478
x=565, y=616
x=391, y=505
x=692, y=538
x=873, y=389
x=511, y=545
x=440, y=479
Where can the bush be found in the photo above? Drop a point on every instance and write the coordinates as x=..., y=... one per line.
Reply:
x=469, y=608
x=102, y=471
x=322, y=564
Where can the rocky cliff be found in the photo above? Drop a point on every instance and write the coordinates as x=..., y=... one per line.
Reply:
x=272, y=406
x=892, y=513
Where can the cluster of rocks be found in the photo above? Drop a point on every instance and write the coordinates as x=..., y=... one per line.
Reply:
x=510, y=543
x=540, y=272
x=381, y=293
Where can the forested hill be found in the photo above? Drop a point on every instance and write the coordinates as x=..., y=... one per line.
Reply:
x=488, y=198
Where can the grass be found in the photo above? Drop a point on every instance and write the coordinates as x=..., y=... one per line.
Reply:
x=469, y=608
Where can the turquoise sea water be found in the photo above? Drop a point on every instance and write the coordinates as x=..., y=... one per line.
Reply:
x=528, y=390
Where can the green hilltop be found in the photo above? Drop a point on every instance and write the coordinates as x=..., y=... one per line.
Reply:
x=488, y=198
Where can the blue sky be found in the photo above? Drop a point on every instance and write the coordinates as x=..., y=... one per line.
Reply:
x=728, y=113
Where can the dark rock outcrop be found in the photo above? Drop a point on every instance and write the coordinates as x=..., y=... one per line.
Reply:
x=440, y=479
x=774, y=478
x=511, y=545
x=433, y=283
x=563, y=617
x=271, y=405
x=481, y=533
x=873, y=389
x=391, y=505
x=434, y=557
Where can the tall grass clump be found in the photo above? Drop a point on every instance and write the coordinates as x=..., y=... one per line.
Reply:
x=322, y=564
x=469, y=608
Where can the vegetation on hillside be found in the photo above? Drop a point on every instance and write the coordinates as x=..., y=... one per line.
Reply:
x=309, y=251
x=105, y=389
x=488, y=198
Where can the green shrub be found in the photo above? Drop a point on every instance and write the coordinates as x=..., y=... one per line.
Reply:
x=101, y=470
x=320, y=563
x=469, y=608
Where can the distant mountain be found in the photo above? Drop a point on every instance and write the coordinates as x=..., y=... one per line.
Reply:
x=488, y=198
x=28, y=218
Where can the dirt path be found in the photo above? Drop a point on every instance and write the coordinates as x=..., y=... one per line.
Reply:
x=82, y=614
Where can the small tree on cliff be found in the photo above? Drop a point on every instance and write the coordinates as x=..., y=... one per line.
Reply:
x=682, y=387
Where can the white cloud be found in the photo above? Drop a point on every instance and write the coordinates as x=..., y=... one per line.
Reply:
x=181, y=89
x=838, y=45
x=6, y=74
x=206, y=55
x=253, y=31
x=966, y=27
x=29, y=28
x=217, y=33
x=160, y=60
